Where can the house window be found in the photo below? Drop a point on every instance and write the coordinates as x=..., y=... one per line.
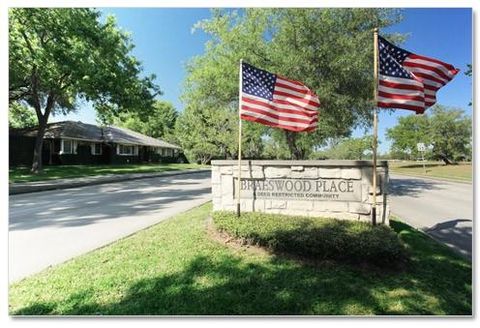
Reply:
x=96, y=148
x=68, y=147
x=125, y=150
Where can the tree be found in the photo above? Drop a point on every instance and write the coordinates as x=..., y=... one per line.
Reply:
x=275, y=148
x=157, y=123
x=62, y=56
x=468, y=73
x=201, y=133
x=447, y=130
x=451, y=132
x=348, y=148
x=330, y=50
x=409, y=131
x=21, y=116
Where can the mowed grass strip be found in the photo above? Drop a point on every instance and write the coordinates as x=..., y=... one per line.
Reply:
x=176, y=268
x=459, y=172
x=22, y=174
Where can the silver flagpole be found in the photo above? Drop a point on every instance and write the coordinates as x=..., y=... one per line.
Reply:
x=375, y=123
x=239, y=137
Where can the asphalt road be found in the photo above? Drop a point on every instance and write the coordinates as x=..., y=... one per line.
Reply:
x=47, y=228
x=442, y=209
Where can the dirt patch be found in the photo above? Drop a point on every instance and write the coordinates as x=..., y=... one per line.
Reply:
x=232, y=242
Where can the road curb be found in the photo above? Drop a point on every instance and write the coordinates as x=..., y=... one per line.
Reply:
x=25, y=188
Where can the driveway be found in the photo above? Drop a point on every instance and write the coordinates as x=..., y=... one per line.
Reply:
x=444, y=210
x=47, y=228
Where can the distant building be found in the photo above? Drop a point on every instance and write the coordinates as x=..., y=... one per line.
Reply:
x=71, y=142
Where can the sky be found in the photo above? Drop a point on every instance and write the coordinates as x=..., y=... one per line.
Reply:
x=164, y=43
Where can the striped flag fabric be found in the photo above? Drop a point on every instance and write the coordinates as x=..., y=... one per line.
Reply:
x=407, y=80
x=276, y=101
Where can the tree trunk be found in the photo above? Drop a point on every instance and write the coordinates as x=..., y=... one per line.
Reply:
x=37, y=164
x=42, y=125
x=204, y=160
x=445, y=159
x=292, y=145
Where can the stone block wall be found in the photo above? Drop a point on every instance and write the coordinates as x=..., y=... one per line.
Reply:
x=337, y=189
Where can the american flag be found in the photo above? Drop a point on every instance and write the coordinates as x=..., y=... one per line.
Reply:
x=276, y=101
x=407, y=80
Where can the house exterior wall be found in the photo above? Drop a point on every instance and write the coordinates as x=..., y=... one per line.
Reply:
x=21, y=153
x=83, y=154
x=20, y=150
x=125, y=159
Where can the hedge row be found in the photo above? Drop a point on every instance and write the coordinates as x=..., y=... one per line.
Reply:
x=317, y=238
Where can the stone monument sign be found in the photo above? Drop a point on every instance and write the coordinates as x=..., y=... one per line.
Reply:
x=338, y=189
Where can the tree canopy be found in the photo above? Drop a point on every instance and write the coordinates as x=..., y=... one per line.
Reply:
x=21, y=116
x=468, y=72
x=348, y=148
x=448, y=132
x=159, y=122
x=60, y=57
x=409, y=131
x=330, y=50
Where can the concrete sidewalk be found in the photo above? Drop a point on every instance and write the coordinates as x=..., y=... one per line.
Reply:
x=28, y=187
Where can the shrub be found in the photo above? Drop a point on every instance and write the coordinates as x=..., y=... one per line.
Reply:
x=317, y=238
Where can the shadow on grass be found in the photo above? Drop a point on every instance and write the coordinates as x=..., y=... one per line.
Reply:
x=436, y=282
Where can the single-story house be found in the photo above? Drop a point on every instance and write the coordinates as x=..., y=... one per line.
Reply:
x=72, y=142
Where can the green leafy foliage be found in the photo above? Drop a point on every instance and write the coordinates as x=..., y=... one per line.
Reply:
x=158, y=122
x=347, y=148
x=409, y=131
x=61, y=56
x=275, y=148
x=203, y=132
x=468, y=72
x=330, y=50
x=207, y=133
x=317, y=238
x=447, y=130
x=21, y=116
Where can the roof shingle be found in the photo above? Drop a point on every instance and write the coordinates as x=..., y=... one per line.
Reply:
x=79, y=130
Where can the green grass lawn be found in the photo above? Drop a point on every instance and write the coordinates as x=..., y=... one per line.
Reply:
x=176, y=267
x=460, y=172
x=22, y=174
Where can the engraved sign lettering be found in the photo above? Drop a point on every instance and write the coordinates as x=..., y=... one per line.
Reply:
x=308, y=189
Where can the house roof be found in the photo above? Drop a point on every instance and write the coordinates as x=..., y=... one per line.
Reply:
x=126, y=136
x=91, y=132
